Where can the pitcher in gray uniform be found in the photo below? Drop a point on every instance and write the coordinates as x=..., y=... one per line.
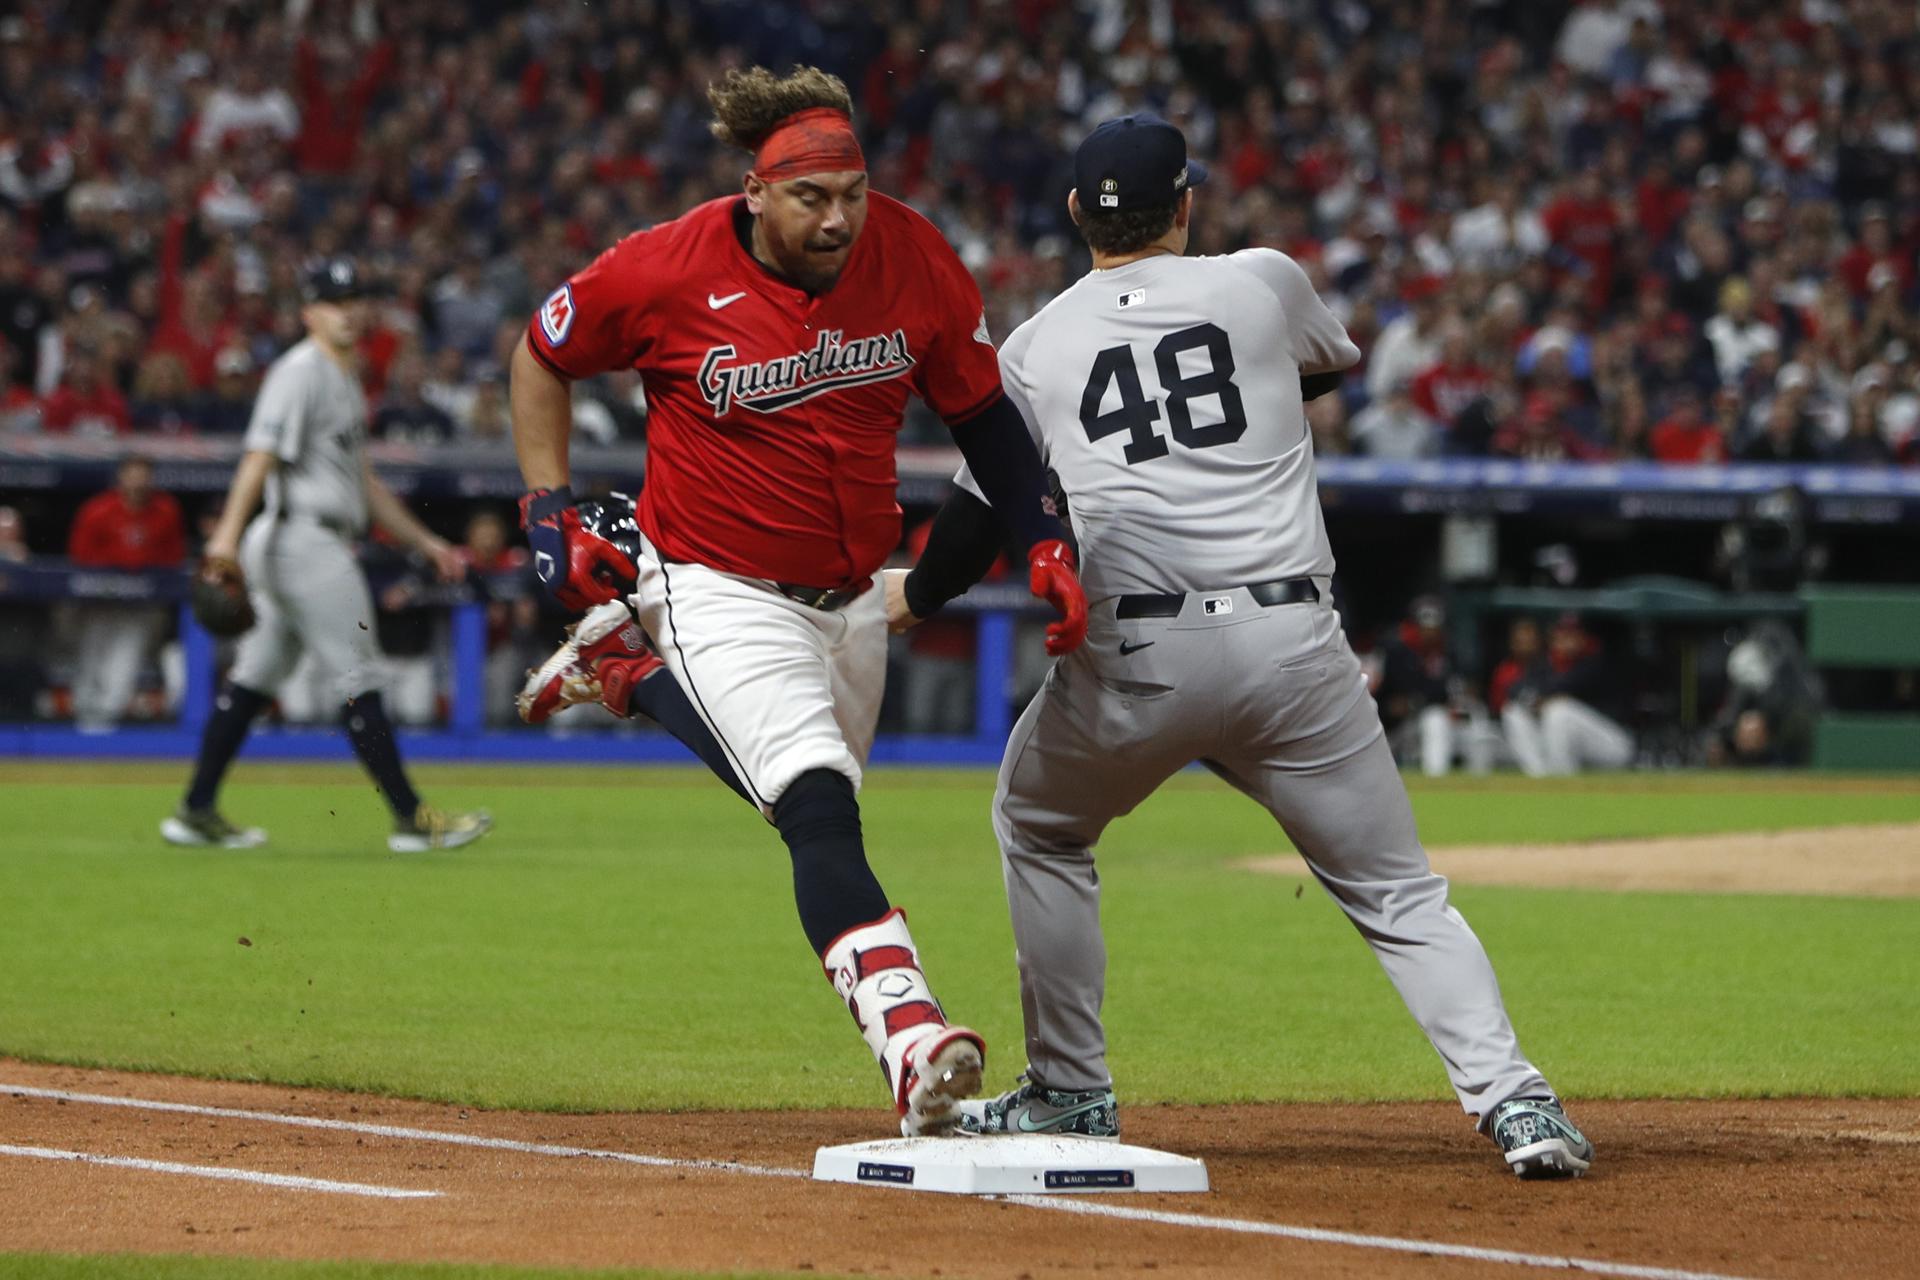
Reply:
x=1166, y=395
x=305, y=468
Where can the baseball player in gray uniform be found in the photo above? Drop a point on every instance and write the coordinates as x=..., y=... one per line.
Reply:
x=305, y=468
x=1166, y=394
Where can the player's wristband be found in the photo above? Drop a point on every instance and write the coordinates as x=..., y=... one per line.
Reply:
x=538, y=504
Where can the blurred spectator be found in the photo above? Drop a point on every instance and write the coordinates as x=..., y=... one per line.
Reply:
x=446, y=386
x=1410, y=342
x=487, y=416
x=1875, y=249
x=1685, y=436
x=1523, y=650
x=35, y=171
x=195, y=333
x=1773, y=700
x=1785, y=435
x=131, y=526
x=85, y=404
x=246, y=107
x=405, y=417
x=1394, y=427
x=19, y=408
x=1542, y=432
x=1555, y=710
x=1552, y=170
x=1863, y=445
x=22, y=642
x=228, y=409
x=13, y=537
x=1424, y=702
x=1327, y=420
x=513, y=610
x=1499, y=234
x=1736, y=334
x=163, y=398
x=467, y=309
x=1582, y=226
x=1445, y=388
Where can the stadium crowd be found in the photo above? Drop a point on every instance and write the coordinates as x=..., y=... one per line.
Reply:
x=1610, y=229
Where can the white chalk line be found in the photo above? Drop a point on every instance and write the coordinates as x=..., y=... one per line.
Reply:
x=1426, y=1248
x=411, y=1135
x=286, y=1180
x=1239, y=1226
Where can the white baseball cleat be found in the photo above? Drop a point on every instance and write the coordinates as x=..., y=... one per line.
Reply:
x=571, y=674
x=944, y=1069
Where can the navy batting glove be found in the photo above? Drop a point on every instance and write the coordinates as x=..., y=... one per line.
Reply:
x=577, y=567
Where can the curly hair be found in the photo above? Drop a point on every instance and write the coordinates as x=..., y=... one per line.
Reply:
x=1117, y=233
x=747, y=104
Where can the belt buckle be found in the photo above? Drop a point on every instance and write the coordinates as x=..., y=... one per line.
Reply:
x=822, y=599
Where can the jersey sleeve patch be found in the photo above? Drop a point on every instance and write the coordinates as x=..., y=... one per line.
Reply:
x=556, y=315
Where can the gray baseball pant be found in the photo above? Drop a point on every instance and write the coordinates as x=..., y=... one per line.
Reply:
x=309, y=596
x=1273, y=701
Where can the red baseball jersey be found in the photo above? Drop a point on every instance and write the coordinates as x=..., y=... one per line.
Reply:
x=107, y=532
x=771, y=412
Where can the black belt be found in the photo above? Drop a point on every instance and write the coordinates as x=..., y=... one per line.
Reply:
x=1279, y=591
x=824, y=598
x=333, y=524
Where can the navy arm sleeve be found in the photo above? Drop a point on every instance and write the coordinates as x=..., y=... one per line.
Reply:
x=1005, y=464
x=1315, y=385
x=967, y=535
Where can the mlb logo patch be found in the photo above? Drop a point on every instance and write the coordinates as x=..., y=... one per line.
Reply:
x=1218, y=604
x=1132, y=299
x=1109, y=193
x=556, y=315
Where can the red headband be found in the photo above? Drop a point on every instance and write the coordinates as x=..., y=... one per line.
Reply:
x=817, y=140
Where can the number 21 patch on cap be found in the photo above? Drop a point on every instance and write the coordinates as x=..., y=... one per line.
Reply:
x=556, y=315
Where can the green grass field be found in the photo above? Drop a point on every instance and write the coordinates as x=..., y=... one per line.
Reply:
x=626, y=940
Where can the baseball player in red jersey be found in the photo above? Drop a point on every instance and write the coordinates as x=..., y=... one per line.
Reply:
x=779, y=333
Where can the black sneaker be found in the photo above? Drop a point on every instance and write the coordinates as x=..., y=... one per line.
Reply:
x=1035, y=1109
x=1539, y=1140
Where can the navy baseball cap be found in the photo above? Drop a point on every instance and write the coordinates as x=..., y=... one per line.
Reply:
x=1134, y=162
x=333, y=280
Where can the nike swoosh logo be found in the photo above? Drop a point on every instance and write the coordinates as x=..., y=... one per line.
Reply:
x=718, y=302
x=1026, y=1122
x=1126, y=648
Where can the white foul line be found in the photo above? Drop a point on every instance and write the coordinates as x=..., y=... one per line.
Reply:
x=1244, y=1226
x=225, y=1175
x=1238, y=1226
x=411, y=1135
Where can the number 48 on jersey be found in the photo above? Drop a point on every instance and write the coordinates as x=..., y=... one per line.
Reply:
x=1137, y=413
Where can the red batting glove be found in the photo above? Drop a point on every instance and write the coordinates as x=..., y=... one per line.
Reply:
x=578, y=567
x=1054, y=580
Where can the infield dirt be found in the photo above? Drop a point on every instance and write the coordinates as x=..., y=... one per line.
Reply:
x=1781, y=1188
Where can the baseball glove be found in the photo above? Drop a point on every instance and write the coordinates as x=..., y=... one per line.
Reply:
x=219, y=597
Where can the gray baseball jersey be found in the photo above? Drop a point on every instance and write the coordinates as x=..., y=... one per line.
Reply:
x=312, y=415
x=1165, y=395
x=305, y=582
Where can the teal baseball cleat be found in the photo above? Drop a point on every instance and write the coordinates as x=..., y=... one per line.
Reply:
x=1035, y=1109
x=1538, y=1139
